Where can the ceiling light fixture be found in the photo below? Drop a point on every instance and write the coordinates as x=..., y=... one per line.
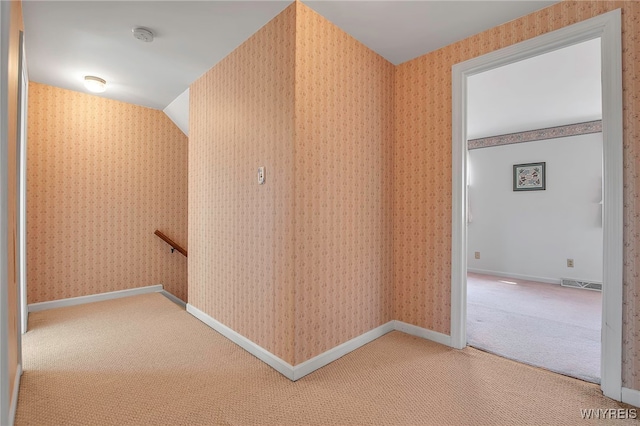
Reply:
x=143, y=34
x=95, y=84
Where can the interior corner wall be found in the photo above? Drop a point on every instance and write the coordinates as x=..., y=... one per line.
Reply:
x=422, y=164
x=531, y=234
x=343, y=187
x=241, y=253
x=102, y=176
x=302, y=263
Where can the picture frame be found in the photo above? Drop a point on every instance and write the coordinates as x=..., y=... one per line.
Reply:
x=529, y=176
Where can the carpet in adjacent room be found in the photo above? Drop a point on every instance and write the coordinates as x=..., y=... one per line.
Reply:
x=545, y=325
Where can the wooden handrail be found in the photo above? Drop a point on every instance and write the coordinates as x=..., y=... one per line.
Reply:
x=172, y=243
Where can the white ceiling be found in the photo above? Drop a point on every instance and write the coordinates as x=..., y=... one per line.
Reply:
x=403, y=30
x=67, y=40
x=558, y=88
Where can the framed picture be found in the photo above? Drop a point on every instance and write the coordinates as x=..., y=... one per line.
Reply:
x=529, y=177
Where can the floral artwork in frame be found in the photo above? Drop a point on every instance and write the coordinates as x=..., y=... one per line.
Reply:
x=529, y=177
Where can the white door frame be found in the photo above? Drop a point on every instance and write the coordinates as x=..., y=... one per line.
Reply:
x=21, y=168
x=608, y=28
x=4, y=186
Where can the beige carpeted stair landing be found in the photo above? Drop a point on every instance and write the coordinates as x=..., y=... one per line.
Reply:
x=144, y=361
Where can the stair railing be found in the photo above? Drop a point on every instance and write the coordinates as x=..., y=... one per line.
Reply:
x=173, y=244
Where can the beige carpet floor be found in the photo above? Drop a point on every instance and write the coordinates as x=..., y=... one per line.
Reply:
x=143, y=360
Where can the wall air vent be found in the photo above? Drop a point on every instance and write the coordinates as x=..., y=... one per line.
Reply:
x=587, y=285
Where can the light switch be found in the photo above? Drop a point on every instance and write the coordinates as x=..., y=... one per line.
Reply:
x=261, y=175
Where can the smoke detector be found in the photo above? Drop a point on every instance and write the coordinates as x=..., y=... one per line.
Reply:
x=143, y=34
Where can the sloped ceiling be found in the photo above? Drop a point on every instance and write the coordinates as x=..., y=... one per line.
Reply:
x=66, y=40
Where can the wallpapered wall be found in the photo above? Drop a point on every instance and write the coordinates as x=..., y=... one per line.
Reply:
x=241, y=235
x=343, y=176
x=328, y=279
x=422, y=162
x=322, y=215
x=103, y=175
x=15, y=26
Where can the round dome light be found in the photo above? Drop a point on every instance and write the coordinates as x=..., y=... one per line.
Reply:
x=95, y=84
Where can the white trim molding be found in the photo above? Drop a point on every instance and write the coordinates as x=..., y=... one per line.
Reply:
x=14, y=399
x=516, y=276
x=607, y=27
x=631, y=397
x=289, y=371
x=254, y=349
x=23, y=95
x=424, y=333
x=5, y=12
x=339, y=351
x=299, y=371
x=174, y=299
x=72, y=301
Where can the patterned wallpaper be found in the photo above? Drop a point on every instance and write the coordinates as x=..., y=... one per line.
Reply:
x=102, y=177
x=241, y=250
x=321, y=215
x=343, y=187
x=322, y=280
x=422, y=164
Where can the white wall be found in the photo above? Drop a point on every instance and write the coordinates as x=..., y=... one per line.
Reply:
x=531, y=234
x=178, y=111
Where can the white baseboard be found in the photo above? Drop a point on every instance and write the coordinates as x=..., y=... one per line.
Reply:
x=424, y=333
x=72, y=301
x=339, y=351
x=259, y=352
x=631, y=397
x=297, y=372
x=174, y=299
x=515, y=276
x=14, y=397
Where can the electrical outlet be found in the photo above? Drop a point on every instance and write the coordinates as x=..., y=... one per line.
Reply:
x=569, y=263
x=261, y=175
x=477, y=255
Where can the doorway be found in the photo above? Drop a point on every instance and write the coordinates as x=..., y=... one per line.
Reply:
x=535, y=249
x=606, y=26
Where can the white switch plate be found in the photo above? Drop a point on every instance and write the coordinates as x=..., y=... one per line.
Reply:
x=261, y=175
